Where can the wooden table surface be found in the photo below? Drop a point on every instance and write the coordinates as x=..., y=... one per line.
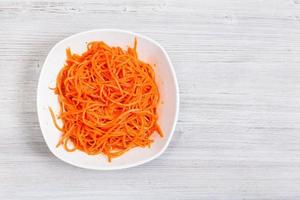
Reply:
x=238, y=67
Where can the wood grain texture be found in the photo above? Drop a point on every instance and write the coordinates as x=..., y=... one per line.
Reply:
x=238, y=67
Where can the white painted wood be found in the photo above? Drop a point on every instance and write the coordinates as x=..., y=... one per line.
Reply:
x=238, y=66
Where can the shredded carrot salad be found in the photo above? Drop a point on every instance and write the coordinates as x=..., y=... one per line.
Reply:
x=108, y=100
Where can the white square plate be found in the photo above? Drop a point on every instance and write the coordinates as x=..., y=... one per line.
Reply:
x=149, y=51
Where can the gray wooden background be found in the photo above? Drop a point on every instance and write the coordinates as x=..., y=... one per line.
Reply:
x=238, y=67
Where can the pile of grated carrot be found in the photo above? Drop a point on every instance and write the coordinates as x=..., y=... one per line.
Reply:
x=108, y=101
